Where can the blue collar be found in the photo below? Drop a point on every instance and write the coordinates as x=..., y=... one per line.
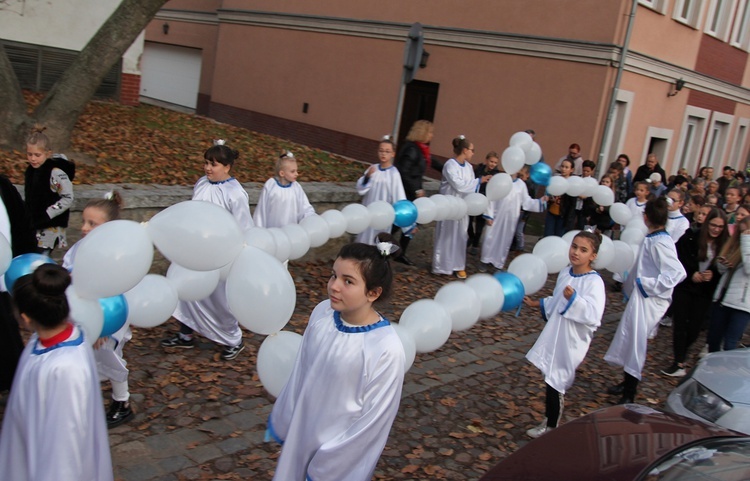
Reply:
x=220, y=182
x=380, y=168
x=354, y=329
x=39, y=349
x=581, y=275
x=283, y=186
x=658, y=232
x=676, y=217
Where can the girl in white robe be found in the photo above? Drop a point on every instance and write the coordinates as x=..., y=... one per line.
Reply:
x=649, y=289
x=211, y=317
x=335, y=412
x=54, y=425
x=449, y=255
x=502, y=218
x=380, y=182
x=677, y=224
x=572, y=314
x=282, y=200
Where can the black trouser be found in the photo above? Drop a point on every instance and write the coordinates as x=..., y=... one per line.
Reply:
x=553, y=407
x=476, y=226
x=630, y=386
x=185, y=330
x=689, y=310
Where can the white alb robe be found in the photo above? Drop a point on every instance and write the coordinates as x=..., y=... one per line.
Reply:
x=677, y=225
x=565, y=339
x=451, y=235
x=649, y=286
x=54, y=427
x=504, y=214
x=635, y=207
x=383, y=184
x=211, y=316
x=280, y=205
x=335, y=413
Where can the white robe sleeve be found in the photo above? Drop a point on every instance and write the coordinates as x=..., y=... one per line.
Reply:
x=260, y=216
x=240, y=210
x=304, y=207
x=669, y=268
x=530, y=205
x=364, y=183
x=462, y=184
x=586, y=306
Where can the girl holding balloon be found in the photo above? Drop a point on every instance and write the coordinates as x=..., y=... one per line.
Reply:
x=108, y=350
x=335, y=412
x=380, y=181
x=572, y=315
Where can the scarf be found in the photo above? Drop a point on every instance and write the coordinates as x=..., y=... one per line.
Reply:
x=425, y=148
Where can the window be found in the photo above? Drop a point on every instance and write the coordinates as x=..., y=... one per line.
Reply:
x=691, y=138
x=738, y=147
x=719, y=18
x=716, y=141
x=657, y=5
x=658, y=142
x=741, y=29
x=618, y=127
x=688, y=12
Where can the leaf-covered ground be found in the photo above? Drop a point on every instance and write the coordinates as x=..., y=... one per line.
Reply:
x=148, y=144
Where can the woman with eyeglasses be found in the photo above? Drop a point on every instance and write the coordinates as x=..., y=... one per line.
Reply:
x=697, y=251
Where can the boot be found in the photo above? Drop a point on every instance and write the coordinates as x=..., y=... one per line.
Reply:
x=629, y=390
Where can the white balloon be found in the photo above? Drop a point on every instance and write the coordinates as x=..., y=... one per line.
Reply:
x=531, y=270
x=452, y=207
x=192, y=285
x=632, y=236
x=442, y=206
x=558, y=185
x=382, y=215
x=553, y=251
x=260, y=292
x=6, y=254
x=410, y=345
x=606, y=253
x=336, y=222
x=262, y=239
x=461, y=302
x=568, y=236
x=499, y=186
x=275, y=360
x=299, y=241
x=428, y=322
x=604, y=196
x=87, y=313
x=357, y=218
x=513, y=159
x=532, y=153
x=283, y=245
x=459, y=208
x=317, y=229
x=195, y=234
x=112, y=259
x=224, y=271
x=521, y=139
x=476, y=203
x=426, y=210
x=151, y=302
x=624, y=257
x=655, y=177
x=590, y=186
x=489, y=292
x=637, y=222
x=620, y=213
x=575, y=186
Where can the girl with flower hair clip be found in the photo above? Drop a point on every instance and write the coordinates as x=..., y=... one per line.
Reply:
x=282, y=200
x=335, y=412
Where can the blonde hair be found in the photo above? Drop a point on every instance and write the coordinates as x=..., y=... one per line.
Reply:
x=286, y=157
x=420, y=131
x=38, y=137
x=731, y=250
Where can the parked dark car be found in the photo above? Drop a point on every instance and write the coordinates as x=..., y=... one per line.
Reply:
x=630, y=442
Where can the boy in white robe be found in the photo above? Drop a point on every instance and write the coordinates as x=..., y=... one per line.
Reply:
x=649, y=288
x=282, y=200
x=677, y=224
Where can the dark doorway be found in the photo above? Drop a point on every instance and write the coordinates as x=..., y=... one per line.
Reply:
x=420, y=100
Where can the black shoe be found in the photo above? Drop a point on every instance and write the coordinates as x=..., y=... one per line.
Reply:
x=625, y=400
x=177, y=341
x=231, y=352
x=616, y=390
x=119, y=413
x=404, y=260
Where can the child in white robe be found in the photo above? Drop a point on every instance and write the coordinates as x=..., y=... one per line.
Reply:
x=54, y=426
x=572, y=314
x=282, y=200
x=649, y=288
x=380, y=181
x=502, y=219
x=335, y=412
x=677, y=224
x=636, y=205
x=211, y=317
x=108, y=351
x=449, y=255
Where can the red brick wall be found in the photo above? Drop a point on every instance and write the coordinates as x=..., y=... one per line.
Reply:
x=711, y=102
x=720, y=60
x=130, y=89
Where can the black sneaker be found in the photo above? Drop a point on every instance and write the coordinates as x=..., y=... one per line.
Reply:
x=617, y=389
x=179, y=342
x=231, y=352
x=404, y=260
x=119, y=413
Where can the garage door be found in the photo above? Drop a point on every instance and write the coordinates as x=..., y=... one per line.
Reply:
x=171, y=74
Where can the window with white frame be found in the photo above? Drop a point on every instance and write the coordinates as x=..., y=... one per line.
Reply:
x=657, y=5
x=719, y=18
x=716, y=140
x=740, y=140
x=691, y=138
x=688, y=12
x=741, y=28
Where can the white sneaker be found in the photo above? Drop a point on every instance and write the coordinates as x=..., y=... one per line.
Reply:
x=539, y=430
x=704, y=352
x=666, y=321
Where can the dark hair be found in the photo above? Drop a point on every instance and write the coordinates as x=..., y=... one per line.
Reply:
x=41, y=295
x=624, y=156
x=572, y=164
x=697, y=199
x=739, y=191
x=221, y=154
x=703, y=236
x=594, y=237
x=640, y=183
x=38, y=137
x=530, y=132
x=575, y=146
x=459, y=144
x=589, y=163
x=727, y=167
x=374, y=266
x=616, y=166
x=491, y=154
x=679, y=193
x=110, y=205
x=679, y=179
x=656, y=212
x=388, y=140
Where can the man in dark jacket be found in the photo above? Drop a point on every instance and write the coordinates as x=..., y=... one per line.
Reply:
x=651, y=166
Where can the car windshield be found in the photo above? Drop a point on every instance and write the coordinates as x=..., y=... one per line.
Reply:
x=725, y=459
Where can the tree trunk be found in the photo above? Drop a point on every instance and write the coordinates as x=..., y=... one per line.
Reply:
x=60, y=109
x=14, y=121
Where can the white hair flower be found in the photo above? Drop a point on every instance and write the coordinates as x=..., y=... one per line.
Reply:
x=220, y=142
x=386, y=248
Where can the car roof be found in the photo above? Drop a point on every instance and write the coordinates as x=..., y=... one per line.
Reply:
x=726, y=373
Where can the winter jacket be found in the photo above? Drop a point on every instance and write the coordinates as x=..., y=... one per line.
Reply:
x=737, y=295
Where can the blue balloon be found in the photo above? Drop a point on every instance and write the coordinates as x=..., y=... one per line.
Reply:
x=115, y=311
x=406, y=213
x=540, y=173
x=512, y=289
x=22, y=265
